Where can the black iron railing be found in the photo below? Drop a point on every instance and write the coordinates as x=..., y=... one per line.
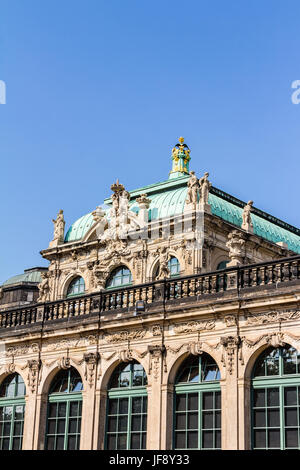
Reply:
x=274, y=273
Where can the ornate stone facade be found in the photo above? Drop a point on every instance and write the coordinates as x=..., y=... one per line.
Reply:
x=179, y=300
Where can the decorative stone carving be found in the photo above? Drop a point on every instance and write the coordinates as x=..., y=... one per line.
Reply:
x=125, y=335
x=230, y=320
x=91, y=361
x=59, y=230
x=65, y=343
x=44, y=288
x=156, y=330
x=34, y=373
x=156, y=355
x=273, y=339
x=125, y=355
x=193, y=190
x=10, y=368
x=230, y=345
x=121, y=219
x=143, y=201
x=19, y=350
x=35, y=347
x=276, y=340
x=205, y=186
x=236, y=245
x=163, y=271
x=195, y=348
x=247, y=221
x=98, y=214
x=192, y=326
x=272, y=317
x=64, y=363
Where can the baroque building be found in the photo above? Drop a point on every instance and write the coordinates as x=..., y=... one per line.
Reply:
x=168, y=318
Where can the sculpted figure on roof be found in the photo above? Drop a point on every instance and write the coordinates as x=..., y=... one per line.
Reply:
x=247, y=221
x=193, y=189
x=59, y=227
x=121, y=219
x=205, y=186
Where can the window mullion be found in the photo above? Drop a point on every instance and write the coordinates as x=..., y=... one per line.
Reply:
x=11, y=428
x=282, y=418
x=129, y=421
x=66, y=425
x=200, y=419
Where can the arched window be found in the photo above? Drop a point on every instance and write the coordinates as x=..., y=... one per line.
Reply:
x=222, y=265
x=127, y=408
x=174, y=266
x=76, y=287
x=64, y=411
x=12, y=408
x=276, y=399
x=197, y=417
x=119, y=277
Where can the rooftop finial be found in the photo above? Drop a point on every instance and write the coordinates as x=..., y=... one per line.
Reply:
x=181, y=158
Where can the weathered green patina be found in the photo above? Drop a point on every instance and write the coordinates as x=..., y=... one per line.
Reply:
x=27, y=276
x=168, y=199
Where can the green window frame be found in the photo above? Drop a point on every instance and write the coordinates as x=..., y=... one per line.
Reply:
x=119, y=277
x=12, y=410
x=275, y=400
x=197, y=405
x=174, y=266
x=126, y=416
x=76, y=287
x=64, y=411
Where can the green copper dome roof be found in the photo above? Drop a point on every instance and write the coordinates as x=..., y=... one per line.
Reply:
x=30, y=275
x=168, y=199
x=79, y=228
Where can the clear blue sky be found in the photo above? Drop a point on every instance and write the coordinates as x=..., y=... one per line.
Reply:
x=101, y=89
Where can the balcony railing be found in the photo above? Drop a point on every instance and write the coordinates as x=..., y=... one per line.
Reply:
x=274, y=273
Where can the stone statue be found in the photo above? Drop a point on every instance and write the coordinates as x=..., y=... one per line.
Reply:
x=59, y=227
x=1, y=293
x=121, y=219
x=236, y=244
x=163, y=271
x=44, y=288
x=193, y=189
x=98, y=214
x=205, y=186
x=247, y=221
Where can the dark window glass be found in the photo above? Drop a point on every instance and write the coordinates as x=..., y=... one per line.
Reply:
x=197, y=369
x=66, y=381
x=276, y=409
x=76, y=287
x=126, y=426
x=13, y=386
x=119, y=277
x=128, y=376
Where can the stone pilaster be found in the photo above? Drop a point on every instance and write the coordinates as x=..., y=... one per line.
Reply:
x=230, y=394
x=155, y=429
x=88, y=401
